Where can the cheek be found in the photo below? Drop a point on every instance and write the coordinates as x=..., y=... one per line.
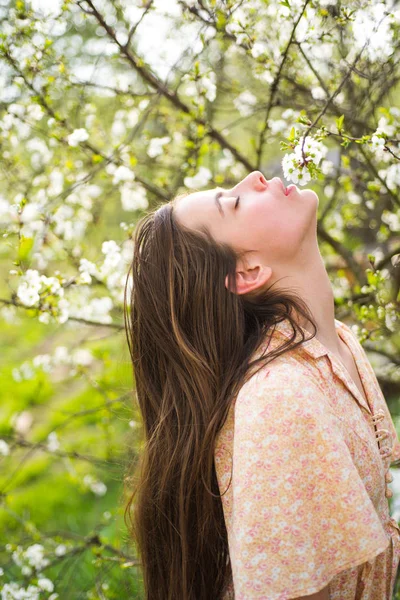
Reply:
x=277, y=229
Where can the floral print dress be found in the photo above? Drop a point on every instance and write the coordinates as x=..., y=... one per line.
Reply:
x=302, y=464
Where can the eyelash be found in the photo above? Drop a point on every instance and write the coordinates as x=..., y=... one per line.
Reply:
x=237, y=199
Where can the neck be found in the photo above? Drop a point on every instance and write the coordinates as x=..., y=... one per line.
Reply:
x=310, y=280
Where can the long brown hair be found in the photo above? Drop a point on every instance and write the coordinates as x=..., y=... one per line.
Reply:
x=190, y=340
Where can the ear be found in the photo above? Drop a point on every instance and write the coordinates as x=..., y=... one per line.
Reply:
x=250, y=279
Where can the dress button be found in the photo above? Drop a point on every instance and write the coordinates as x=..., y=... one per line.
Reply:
x=385, y=451
x=388, y=477
x=388, y=493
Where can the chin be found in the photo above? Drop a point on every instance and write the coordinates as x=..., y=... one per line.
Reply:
x=309, y=193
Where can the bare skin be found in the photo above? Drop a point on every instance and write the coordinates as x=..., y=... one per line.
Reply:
x=321, y=595
x=282, y=233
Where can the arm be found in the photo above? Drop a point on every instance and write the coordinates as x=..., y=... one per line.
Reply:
x=321, y=595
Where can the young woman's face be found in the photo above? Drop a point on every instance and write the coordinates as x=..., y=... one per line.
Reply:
x=266, y=220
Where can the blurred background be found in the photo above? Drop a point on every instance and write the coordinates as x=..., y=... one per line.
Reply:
x=107, y=110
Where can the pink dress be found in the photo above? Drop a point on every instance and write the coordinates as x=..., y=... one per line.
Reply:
x=309, y=460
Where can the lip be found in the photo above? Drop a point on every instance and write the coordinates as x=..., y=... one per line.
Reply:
x=281, y=184
x=290, y=188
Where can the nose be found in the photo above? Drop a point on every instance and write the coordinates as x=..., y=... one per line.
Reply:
x=255, y=180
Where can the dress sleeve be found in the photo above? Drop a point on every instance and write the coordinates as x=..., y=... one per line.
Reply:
x=301, y=513
x=380, y=403
x=389, y=425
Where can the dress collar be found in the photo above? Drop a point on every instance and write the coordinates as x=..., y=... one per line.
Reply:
x=316, y=349
x=313, y=347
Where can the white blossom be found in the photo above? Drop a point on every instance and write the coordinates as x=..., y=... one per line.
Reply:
x=53, y=443
x=82, y=357
x=27, y=295
x=201, y=178
x=208, y=85
x=245, y=102
x=60, y=550
x=133, y=197
x=22, y=422
x=393, y=176
x=87, y=267
x=35, y=112
x=33, y=556
x=123, y=173
x=372, y=24
x=258, y=49
x=61, y=355
x=385, y=127
x=77, y=136
x=318, y=93
x=97, y=487
x=12, y=591
x=45, y=584
x=24, y=372
x=4, y=448
x=30, y=212
x=295, y=165
x=155, y=147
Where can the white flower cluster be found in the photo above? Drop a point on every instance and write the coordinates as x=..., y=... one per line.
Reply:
x=133, y=197
x=4, y=448
x=376, y=23
x=392, y=220
x=30, y=559
x=133, y=194
x=155, y=147
x=12, y=591
x=391, y=317
x=259, y=48
x=391, y=176
x=21, y=422
x=97, y=487
x=227, y=163
x=53, y=442
x=199, y=180
x=77, y=136
x=112, y=271
x=244, y=103
x=240, y=24
x=295, y=167
x=387, y=128
x=82, y=306
x=121, y=173
x=34, y=288
x=70, y=220
x=75, y=359
x=24, y=218
x=205, y=85
x=124, y=120
x=47, y=293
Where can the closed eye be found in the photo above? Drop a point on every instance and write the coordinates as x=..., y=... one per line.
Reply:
x=218, y=203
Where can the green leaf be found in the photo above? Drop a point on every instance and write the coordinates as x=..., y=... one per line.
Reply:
x=25, y=247
x=339, y=122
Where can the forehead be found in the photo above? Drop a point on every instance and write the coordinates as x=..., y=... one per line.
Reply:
x=197, y=207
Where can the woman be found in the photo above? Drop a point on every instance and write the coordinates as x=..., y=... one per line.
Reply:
x=265, y=467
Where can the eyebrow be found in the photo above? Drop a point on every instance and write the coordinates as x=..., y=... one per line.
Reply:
x=218, y=203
